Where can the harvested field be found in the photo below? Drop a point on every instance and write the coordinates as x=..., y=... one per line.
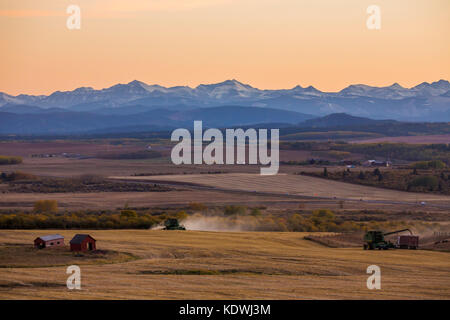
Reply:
x=113, y=200
x=440, y=138
x=63, y=167
x=294, y=185
x=26, y=149
x=210, y=265
x=19, y=255
x=179, y=199
x=144, y=264
x=436, y=242
x=347, y=240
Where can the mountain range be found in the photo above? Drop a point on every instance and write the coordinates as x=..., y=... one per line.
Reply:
x=136, y=104
x=426, y=101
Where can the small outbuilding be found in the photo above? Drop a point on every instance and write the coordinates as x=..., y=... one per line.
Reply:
x=52, y=240
x=82, y=242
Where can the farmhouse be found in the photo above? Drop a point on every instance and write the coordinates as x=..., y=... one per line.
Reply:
x=52, y=240
x=82, y=242
x=375, y=163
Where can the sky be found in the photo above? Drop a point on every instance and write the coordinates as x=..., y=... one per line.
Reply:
x=269, y=44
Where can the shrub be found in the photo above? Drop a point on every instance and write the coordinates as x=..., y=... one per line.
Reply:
x=17, y=175
x=76, y=220
x=433, y=164
x=5, y=160
x=46, y=206
x=235, y=210
x=197, y=206
x=429, y=182
x=182, y=215
x=128, y=214
x=323, y=215
x=255, y=212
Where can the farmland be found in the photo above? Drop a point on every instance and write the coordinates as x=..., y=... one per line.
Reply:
x=232, y=265
x=228, y=251
x=439, y=138
x=293, y=185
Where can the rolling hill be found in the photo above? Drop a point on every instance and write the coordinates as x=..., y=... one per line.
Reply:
x=44, y=121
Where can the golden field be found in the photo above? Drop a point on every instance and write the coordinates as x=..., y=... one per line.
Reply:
x=223, y=265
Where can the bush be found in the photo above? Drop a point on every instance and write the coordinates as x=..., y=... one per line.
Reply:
x=5, y=160
x=428, y=182
x=46, y=206
x=76, y=220
x=128, y=214
x=17, y=175
x=182, y=215
x=323, y=215
x=235, y=210
x=433, y=164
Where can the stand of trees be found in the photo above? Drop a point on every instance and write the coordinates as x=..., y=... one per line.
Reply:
x=414, y=180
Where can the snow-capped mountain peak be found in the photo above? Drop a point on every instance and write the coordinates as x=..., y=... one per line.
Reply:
x=228, y=89
x=394, y=101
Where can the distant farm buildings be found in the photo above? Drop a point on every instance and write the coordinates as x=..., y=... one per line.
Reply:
x=82, y=242
x=61, y=155
x=52, y=240
x=375, y=163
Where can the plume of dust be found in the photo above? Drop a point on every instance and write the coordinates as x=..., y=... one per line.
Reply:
x=218, y=223
x=430, y=233
x=430, y=229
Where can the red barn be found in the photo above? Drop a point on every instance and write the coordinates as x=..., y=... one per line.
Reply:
x=52, y=240
x=82, y=242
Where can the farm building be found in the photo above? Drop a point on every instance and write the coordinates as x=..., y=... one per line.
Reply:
x=375, y=163
x=82, y=242
x=52, y=240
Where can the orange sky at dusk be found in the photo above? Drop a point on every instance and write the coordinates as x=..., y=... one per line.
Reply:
x=268, y=44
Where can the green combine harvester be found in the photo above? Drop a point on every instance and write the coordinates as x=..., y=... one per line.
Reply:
x=172, y=224
x=375, y=240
